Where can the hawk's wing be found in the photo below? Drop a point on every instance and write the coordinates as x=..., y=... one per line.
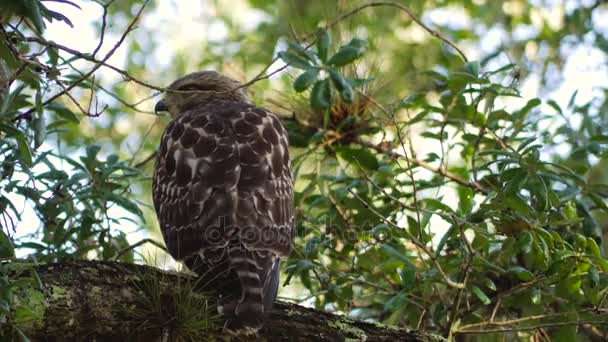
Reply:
x=224, y=171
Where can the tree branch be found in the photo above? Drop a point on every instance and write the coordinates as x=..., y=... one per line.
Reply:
x=95, y=300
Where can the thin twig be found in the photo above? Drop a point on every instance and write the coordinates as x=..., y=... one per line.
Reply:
x=28, y=114
x=260, y=76
x=414, y=240
x=533, y=327
x=452, y=176
x=137, y=244
x=146, y=160
x=103, y=26
x=409, y=13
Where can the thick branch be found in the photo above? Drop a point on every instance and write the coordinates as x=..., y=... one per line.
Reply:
x=95, y=300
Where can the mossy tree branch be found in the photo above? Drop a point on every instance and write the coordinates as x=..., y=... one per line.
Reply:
x=111, y=301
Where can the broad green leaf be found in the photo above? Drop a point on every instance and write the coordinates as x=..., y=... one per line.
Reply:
x=488, y=283
x=555, y=106
x=435, y=204
x=6, y=247
x=521, y=273
x=125, y=203
x=358, y=156
x=63, y=112
x=481, y=295
x=348, y=53
x=294, y=60
x=472, y=68
x=303, y=52
x=323, y=43
x=522, y=113
x=345, y=89
x=320, y=97
x=305, y=80
x=38, y=123
x=25, y=153
x=536, y=296
x=10, y=130
x=526, y=143
x=392, y=251
x=602, y=139
x=33, y=12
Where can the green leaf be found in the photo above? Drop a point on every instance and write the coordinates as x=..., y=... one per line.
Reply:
x=555, y=106
x=63, y=112
x=518, y=204
x=536, y=296
x=348, y=95
x=521, y=273
x=481, y=295
x=305, y=80
x=33, y=12
x=92, y=151
x=436, y=204
x=10, y=130
x=294, y=60
x=38, y=123
x=125, y=203
x=593, y=277
x=525, y=143
x=25, y=153
x=593, y=247
x=522, y=113
x=303, y=52
x=472, y=68
x=444, y=239
x=323, y=43
x=6, y=247
x=345, y=89
x=348, y=53
x=358, y=156
x=320, y=97
x=487, y=282
x=600, y=139
x=392, y=251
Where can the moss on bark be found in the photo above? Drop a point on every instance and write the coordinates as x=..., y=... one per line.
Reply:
x=110, y=301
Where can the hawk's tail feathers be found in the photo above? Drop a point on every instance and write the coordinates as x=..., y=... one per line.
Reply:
x=258, y=279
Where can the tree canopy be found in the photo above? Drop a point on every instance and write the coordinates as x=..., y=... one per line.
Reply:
x=450, y=157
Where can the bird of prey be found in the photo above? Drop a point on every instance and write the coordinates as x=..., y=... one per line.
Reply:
x=223, y=193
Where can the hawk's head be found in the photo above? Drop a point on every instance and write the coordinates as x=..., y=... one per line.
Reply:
x=197, y=88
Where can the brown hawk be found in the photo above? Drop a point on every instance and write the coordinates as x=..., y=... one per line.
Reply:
x=223, y=192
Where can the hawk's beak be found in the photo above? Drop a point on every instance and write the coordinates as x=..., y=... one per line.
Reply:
x=161, y=106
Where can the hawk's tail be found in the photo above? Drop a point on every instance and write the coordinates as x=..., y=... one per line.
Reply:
x=258, y=276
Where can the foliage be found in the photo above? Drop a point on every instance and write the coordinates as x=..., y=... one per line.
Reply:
x=180, y=309
x=432, y=192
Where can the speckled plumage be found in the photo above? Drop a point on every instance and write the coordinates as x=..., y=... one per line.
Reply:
x=223, y=194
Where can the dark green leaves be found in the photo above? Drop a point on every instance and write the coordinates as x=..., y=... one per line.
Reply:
x=481, y=295
x=294, y=60
x=348, y=53
x=323, y=43
x=322, y=89
x=320, y=97
x=343, y=86
x=32, y=11
x=521, y=273
x=306, y=79
x=472, y=68
x=358, y=156
x=6, y=247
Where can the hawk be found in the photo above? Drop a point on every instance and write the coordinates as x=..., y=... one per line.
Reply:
x=223, y=193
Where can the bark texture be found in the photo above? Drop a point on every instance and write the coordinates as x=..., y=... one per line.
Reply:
x=111, y=301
